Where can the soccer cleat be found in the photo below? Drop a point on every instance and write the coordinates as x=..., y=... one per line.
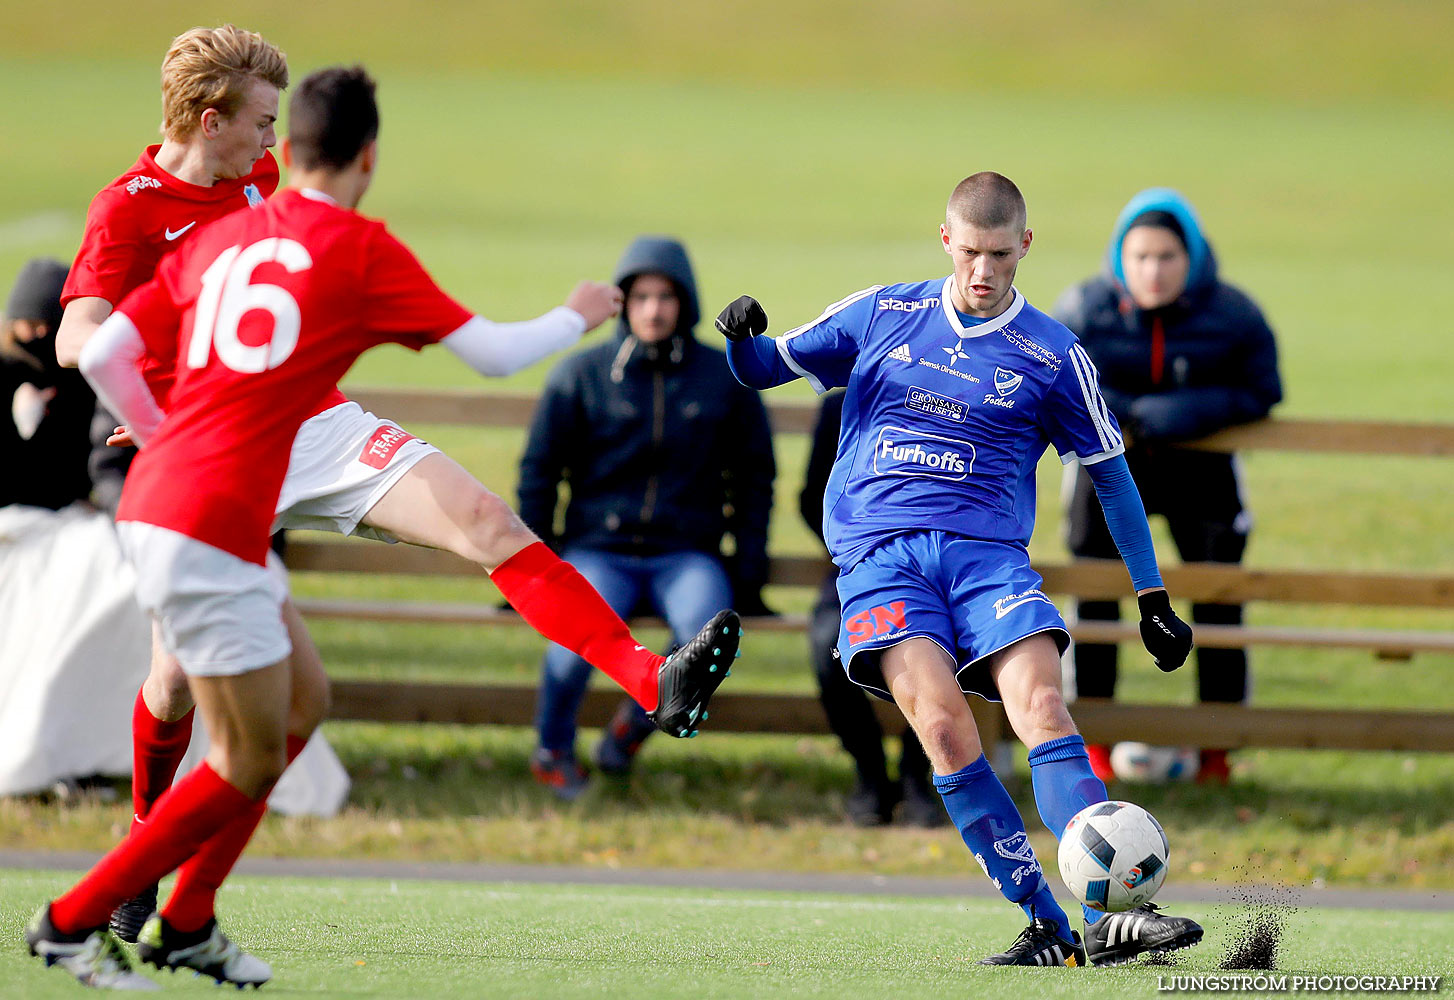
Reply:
x=690, y=675
x=622, y=738
x=206, y=951
x=559, y=771
x=128, y=918
x=93, y=956
x=1121, y=937
x=1040, y=944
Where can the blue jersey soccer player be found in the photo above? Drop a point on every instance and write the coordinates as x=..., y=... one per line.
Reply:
x=955, y=387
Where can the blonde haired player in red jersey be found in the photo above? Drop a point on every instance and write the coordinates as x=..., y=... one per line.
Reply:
x=267, y=310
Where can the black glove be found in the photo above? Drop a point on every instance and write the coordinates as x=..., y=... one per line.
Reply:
x=1166, y=637
x=742, y=318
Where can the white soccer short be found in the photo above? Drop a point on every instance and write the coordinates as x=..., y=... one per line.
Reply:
x=343, y=461
x=219, y=615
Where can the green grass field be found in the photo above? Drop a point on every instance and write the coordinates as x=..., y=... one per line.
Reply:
x=430, y=939
x=804, y=150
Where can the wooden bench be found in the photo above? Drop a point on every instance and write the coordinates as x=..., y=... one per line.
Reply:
x=1202, y=725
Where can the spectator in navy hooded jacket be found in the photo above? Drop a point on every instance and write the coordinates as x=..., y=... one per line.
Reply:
x=1181, y=355
x=663, y=453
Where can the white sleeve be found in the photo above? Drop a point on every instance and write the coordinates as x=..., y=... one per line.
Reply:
x=499, y=349
x=111, y=362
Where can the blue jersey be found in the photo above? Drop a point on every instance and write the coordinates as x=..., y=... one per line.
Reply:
x=943, y=423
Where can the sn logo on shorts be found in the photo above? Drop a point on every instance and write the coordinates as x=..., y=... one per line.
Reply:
x=877, y=621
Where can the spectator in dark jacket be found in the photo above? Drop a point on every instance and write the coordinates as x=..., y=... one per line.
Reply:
x=663, y=454
x=44, y=427
x=850, y=714
x=1181, y=354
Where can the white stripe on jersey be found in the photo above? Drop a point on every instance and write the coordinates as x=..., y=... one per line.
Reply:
x=791, y=362
x=836, y=307
x=782, y=339
x=1085, y=372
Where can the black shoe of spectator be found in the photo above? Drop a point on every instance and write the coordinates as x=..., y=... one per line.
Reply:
x=621, y=740
x=872, y=803
x=923, y=807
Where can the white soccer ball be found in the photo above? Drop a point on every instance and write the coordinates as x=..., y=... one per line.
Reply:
x=1113, y=856
x=1154, y=765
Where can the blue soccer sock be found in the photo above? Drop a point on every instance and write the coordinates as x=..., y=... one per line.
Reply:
x=995, y=834
x=1064, y=784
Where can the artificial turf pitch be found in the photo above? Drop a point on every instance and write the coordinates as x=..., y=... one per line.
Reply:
x=368, y=938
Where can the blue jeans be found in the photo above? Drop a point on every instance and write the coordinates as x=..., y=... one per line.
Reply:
x=685, y=588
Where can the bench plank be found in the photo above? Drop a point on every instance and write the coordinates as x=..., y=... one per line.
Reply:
x=1229, y=726
x=1089, y=578
x=1368, y=437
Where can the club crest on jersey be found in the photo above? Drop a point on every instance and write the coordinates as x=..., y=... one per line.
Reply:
x=254, y=196
x=903, y=452
x=1006, y=382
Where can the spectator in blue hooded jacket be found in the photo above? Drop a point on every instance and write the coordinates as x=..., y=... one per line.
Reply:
x=1181, y=354
x=663, y=454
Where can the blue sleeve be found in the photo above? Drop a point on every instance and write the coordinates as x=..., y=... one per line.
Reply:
x=824, y=351
x=757, y=363
x=1074, y=415
x=1126, y=518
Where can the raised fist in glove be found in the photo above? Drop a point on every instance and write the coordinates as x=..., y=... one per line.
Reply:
x=742, y=318
x=1166, y=637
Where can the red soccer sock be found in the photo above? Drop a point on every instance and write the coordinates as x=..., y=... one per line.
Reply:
x=561, y=605
x=157, y=749
x=182, y=821
x=194, y=898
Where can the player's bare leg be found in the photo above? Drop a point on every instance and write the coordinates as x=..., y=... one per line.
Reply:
x=440, y=505
x=258, y=722
x=161, y=737
x=247, y=718
x=920, y=674
x=1027, y=674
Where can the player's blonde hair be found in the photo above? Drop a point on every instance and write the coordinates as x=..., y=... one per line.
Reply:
x=211, y=68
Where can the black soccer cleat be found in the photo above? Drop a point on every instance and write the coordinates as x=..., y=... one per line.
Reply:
x=1040, y=944
x=128, y=918
x=690, y=675
x=1123, y=937
x=206, y=951
x=93, y=956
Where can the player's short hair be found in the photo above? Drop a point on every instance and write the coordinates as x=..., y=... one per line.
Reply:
x=211, y=68
x=332, y=116
x=987, y=200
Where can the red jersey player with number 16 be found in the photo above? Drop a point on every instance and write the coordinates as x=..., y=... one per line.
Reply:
x=269, y=309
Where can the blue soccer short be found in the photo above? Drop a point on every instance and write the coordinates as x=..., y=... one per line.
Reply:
x=972, y=597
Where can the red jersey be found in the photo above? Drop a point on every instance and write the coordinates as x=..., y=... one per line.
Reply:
x=267, y=310
x=142, y=216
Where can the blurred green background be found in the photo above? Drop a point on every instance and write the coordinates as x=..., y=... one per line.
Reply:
x=804, y=150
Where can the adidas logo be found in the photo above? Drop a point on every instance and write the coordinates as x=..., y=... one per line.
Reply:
x=901, y=353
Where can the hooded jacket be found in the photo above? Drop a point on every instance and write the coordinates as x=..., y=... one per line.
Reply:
x=1204, y=362
x=661, y=449
x=47, y=469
